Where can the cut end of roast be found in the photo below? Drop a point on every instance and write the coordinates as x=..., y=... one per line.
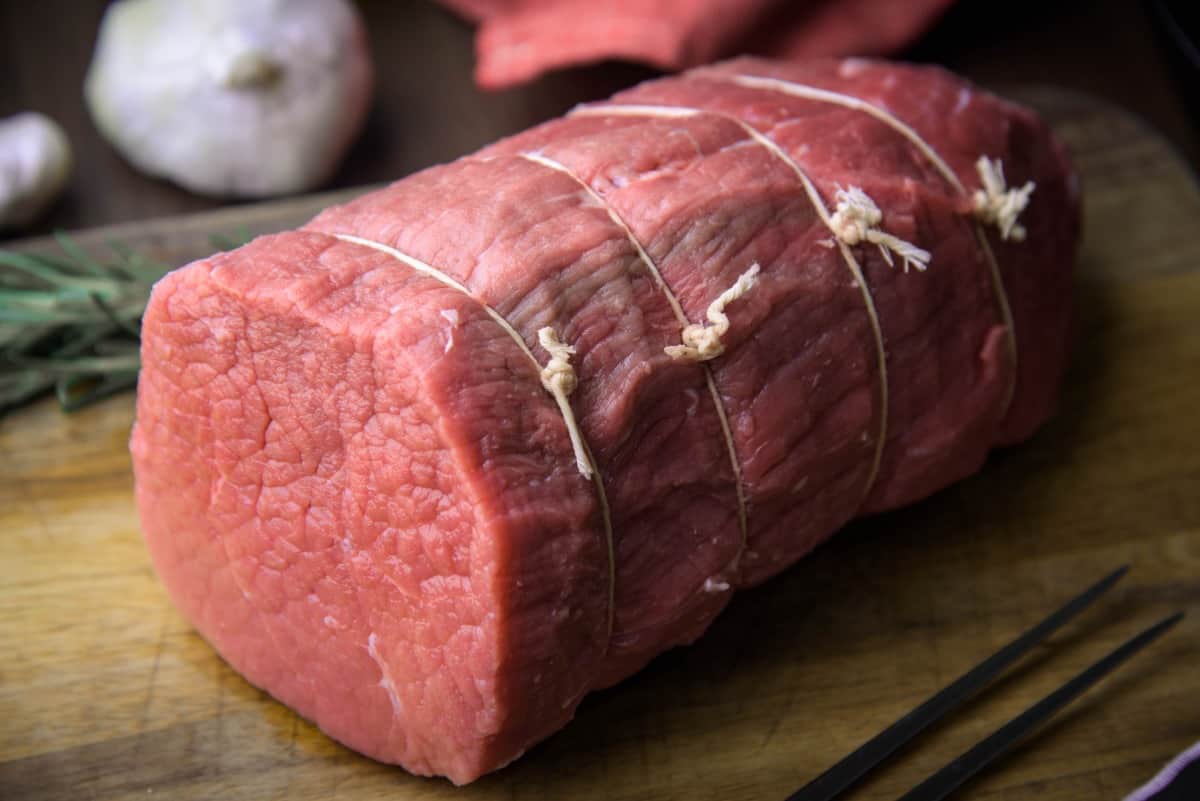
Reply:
x=325, y=493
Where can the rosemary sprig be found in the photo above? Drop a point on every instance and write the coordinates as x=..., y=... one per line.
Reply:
x=71, y=323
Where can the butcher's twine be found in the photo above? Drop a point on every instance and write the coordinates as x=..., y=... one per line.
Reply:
x=856, y=219
x=702, y=341
x=996, y=204
x=887, y=118
x=676, y=308
x=558, y=377
x=860, y=281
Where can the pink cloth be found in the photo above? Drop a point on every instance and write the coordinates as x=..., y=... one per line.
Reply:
x=518, y=40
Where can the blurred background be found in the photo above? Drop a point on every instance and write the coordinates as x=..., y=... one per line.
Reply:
x=426, y=108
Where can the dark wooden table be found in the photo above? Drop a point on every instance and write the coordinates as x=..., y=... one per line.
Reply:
x=427, y=110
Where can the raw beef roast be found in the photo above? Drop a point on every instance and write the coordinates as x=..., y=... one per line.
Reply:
x=433, y=467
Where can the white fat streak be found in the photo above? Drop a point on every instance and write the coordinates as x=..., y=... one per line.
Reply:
x=583, y=453
x=964, y=99
x=451, y=316
x=857, y=104
x=385, y=680
x=684, y=322
x=851, y=67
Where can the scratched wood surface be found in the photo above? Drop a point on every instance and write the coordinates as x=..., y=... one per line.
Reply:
x=105, y=692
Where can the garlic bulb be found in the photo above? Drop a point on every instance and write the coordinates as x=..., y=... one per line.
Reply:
x=248, y=98
x=35, y=159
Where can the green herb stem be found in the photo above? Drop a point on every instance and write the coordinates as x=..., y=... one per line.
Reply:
x=71, y=323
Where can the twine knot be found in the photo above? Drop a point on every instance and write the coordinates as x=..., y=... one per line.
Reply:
x=856, y=219
x=702, y=341
x=996, y=204
x=559, y=379
x=558, y=375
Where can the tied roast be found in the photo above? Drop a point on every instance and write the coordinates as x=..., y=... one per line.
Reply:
x=452, y=455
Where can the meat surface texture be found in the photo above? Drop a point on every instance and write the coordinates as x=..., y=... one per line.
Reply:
x=458, y=452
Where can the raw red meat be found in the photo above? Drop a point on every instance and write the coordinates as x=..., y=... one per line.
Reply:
x=354, y=481
x=520, y=39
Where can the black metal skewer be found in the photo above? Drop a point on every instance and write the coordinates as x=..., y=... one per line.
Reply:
x=834, y=781
x=946, y=780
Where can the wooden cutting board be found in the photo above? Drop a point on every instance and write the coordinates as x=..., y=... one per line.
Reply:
x=105, y=692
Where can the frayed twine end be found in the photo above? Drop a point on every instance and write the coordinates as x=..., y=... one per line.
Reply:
x=996, y=204
x=856, y=219
x=702, y=341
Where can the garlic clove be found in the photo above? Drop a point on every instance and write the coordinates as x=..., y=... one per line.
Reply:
x=35, y=160
x=246, y=98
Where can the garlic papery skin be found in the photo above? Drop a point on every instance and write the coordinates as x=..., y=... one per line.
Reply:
x=241, y=98
x=35, y=160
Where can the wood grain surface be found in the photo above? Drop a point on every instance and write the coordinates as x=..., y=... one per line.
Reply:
x=106, y=693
